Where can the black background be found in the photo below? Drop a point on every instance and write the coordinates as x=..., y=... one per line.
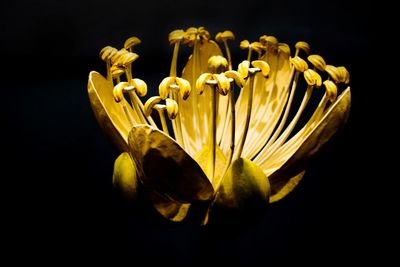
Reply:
x=57, y=193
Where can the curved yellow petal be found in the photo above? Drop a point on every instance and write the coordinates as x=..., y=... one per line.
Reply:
x=169, y=209
x=286, y=188
x=304, y=147
x=109, y=113
x=176, y=174
x=195, y=103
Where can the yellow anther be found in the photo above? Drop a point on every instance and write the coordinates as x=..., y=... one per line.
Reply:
x=223, y=84
x=201, y=82
x=176, y=36
x=312, y=78
x=150, y=103
x=317, y=61
x=163, y=88
x=217, y=64
x=184, y=87
x=115, y=59
x=116, y=71
x=268, y=40
x=107, y=53
x=140, y=86
x=243, y=68
x=244, y=44
x=131, y=42
x=172, y=108
x=333, y=72
x=303, y=46
x=192, y=33
x=299, y=64
x=223, y=36
x=118, y=91
x=284, y=48
x=344, y=75
x=262, y=65
x=331, y=90
x=127, y=58
x=236, y=76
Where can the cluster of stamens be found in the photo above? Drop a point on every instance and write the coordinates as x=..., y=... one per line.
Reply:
x=207, y=88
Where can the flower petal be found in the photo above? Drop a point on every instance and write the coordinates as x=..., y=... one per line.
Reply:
x=203, y=159
x=286, y=187
x=109, y=113
x=293, y=162
x=166, y=168
x=169, y=209
x=195, y=103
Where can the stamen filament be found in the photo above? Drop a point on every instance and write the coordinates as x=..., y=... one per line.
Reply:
x=286, y=113
x=213, y=128
x=249, y=54
x=136, y=102
x=173, y=71
x=176, y=124
x=109, y=74
x=196, y=116
x=291, y=126
x=127, y=114
x=135, y=106
x=163, y=121
x=228, y=54
x=240, y=146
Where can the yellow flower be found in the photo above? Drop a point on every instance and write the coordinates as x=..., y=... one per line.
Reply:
x=233, y=142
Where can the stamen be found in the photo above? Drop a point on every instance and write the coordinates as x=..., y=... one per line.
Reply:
x=302, y=46
x=106, y=54
x=224, y=37
x=238, y=152
x=131, y=42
